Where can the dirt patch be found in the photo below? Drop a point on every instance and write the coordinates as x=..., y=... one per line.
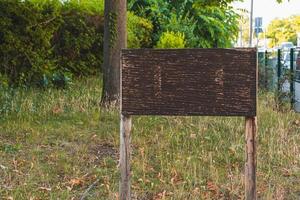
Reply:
x=104, y=150
x=146, y=196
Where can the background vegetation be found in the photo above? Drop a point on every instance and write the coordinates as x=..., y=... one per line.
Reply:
x=49, y=42
x=284, y=30
x=44, y=41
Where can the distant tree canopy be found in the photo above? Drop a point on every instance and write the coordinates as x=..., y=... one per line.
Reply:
x=283, y=30
x=244, y=24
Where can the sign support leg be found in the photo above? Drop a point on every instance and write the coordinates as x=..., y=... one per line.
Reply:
x=250, y=165
x=125, y=154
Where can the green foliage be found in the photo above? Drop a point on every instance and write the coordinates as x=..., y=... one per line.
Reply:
x=171, y=40
x=204, y=23
x=55, y=138
x=283, y=30
x=139, y=31
x=186, y=25
x=217, y=27
x=10, y=149
x=78, y=41
x=48, y=42
x=157, y=11
x=26, y=32
x=216, y=3
x=91, y=7
x=42, y=38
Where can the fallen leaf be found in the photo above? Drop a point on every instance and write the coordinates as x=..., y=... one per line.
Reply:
x=76, y=182
x=161, y=195
x=57, y=110
x=212, y=187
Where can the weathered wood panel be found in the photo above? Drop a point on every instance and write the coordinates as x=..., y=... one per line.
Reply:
x=220, y=82
x=250, y=165
x=125, y=155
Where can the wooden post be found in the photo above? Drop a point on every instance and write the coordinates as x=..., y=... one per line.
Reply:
x=151, y=77
x=125, y=154
x=250, y=165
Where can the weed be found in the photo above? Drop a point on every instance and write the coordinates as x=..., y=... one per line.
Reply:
x=56, y=143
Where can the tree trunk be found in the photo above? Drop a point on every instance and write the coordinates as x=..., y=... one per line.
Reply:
x=115, y=39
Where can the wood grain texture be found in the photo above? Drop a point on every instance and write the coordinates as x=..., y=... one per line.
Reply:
x=125, y=156
x=210, y=82
x=250, y=165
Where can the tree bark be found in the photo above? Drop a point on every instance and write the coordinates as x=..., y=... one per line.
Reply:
x=115, y=39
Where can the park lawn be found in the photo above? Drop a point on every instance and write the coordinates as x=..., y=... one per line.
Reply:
x=54, y=144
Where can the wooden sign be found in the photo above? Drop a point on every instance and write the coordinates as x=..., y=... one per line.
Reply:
x=218, y=82
x=210, y=82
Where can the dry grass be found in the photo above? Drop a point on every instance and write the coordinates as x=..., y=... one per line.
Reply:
x=55, y=143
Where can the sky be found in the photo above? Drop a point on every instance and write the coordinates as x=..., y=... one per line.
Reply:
x=270, y=9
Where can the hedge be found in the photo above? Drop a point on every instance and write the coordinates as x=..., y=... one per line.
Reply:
x=44, y=42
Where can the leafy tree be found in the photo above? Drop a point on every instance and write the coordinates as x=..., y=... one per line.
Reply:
x=183, y=24
x=283, y=30
x=217, y=26
x=244, y=25
x=204, y=23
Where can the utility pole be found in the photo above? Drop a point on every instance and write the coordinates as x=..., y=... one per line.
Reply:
x=251, y=24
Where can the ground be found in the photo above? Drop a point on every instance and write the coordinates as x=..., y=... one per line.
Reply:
x=54, y=144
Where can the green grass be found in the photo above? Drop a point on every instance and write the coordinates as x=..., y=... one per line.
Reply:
x=55, y=143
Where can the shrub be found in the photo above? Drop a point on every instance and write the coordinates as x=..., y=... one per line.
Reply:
x=139, y=31
x=42, y=40
x=25, y=40
x=47, y=42
x=171, y=40
x=78, y=42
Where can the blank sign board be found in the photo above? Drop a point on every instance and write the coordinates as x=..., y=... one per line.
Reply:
x=210, y=82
